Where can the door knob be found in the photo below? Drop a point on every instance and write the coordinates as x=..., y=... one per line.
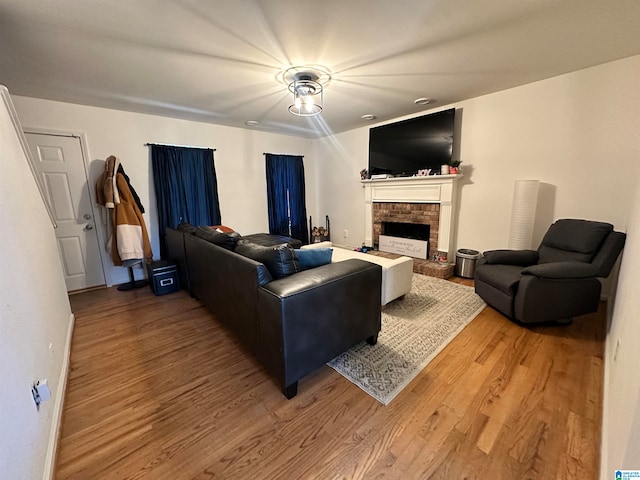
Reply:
x=87, y=216
x=89, y=227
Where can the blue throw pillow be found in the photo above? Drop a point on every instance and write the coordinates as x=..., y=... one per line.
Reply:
x=314, y=257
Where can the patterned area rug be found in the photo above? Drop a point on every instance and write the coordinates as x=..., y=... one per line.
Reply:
x=414, y=331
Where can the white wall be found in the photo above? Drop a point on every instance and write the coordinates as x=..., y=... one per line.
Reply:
x=340, y=194
x=621, y=426
x=579, y=135
x=35, y=317
x=576, y=133
x=239, y=160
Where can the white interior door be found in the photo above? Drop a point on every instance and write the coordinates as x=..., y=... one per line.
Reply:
x=61, y=169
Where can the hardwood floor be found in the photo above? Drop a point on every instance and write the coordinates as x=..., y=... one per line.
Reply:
x=158, y=389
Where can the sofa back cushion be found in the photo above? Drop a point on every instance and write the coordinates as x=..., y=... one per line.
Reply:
x=270, y=239
x=224, y=240
x=280, y=260
x=573, y=240
x=186, y=227
x=314, y=257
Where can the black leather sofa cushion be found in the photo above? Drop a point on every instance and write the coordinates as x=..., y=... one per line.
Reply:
x=270, y=240
x=280, y=260
x=186, y=228
x=217, y=238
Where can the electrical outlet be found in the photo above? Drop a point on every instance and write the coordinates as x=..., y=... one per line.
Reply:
x=345, y=233
x=40, y=391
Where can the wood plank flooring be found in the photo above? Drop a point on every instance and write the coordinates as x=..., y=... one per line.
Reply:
x=158, y=389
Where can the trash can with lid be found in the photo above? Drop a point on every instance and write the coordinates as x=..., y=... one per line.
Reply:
x=466, y=262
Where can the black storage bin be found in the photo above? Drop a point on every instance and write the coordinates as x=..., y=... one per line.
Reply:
x=163, y=277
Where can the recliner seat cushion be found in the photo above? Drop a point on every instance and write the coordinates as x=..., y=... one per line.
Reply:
x=502, y=277
x=280, y=260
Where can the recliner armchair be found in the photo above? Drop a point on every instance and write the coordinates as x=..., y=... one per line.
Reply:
x=556, y=282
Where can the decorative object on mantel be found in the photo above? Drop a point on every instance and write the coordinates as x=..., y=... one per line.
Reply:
x=363, y=174
x=423, y=173
x=444, y=169
x=454, y=166
x=414, y=330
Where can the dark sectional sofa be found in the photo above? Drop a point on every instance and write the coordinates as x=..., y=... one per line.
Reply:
x=294, y=324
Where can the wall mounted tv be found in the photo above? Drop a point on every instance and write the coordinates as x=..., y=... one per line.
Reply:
x=403, y=148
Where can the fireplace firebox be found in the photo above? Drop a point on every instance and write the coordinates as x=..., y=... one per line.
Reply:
x=414, y=231
x=411, y=239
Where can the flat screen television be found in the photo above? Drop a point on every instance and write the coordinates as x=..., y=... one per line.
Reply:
x=403, y=148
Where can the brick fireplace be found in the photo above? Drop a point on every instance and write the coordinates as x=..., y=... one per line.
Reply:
x=430, y=200
x=415, y=213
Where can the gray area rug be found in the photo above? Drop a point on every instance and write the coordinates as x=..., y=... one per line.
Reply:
x=414, y=331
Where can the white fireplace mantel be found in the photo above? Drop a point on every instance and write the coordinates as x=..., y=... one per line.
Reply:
x=440, y=189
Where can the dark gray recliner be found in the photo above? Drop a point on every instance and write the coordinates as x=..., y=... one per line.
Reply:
x=556, y=282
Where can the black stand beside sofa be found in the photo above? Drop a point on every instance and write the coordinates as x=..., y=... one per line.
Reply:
x=293, y=324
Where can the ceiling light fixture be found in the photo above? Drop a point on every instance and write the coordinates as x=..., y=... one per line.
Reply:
x=423, y=101
x=251, y=123
x=307, y=86
x=307, y=95
x=368, y=116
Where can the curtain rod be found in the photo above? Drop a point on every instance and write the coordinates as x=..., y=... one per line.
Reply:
x=174, y=145
x=287, y=154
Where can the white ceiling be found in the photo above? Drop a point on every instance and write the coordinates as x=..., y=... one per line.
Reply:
x=218, y=61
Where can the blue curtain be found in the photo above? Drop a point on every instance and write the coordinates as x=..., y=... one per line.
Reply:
x=286, y=196
x=186, y=188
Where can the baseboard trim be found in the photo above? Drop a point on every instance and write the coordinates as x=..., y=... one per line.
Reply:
x=54, y=437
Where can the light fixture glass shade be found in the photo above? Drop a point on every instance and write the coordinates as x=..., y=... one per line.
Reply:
x=307, y=96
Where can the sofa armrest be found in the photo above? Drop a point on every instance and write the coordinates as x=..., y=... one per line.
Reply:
x=548, y=300
x=325, y=244
x=562, y=270
x=310, y=317
x=174, y=242
x=522, y=258
x=608, y=253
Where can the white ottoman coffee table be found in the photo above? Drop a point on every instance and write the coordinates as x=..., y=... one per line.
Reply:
x=396, y=273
